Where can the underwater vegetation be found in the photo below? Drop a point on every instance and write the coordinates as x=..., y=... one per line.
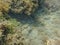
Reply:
x=20, y=6
x=29, y=22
